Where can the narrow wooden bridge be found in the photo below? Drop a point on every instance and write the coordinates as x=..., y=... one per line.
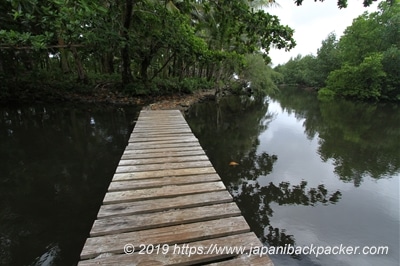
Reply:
x=166, y=205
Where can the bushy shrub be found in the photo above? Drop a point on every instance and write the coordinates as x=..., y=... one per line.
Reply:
x=326, y=94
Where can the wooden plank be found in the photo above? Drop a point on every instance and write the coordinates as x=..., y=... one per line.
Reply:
x=166, y=191
x=181, y=141
x=165, y=159
x=132, y=146
x=162, y=166
x=145, y=138
x=162, y=121
x=176, y=234
x=253, y=260
x=156, y=128
x=159, y=134
x=121, y=224
x=162, y=124
x=165, y=131
x=181, y=254
x=163, y=112
x=157, y=205
x=161, y=181
x=154, y=155
x=157, y=113
x=160, y=160
x=150, y=136
x=163, y=150
x=163, y=173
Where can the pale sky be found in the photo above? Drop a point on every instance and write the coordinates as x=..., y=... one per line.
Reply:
x=312, y=22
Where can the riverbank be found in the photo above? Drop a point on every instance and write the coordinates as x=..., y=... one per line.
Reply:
x=180, y=101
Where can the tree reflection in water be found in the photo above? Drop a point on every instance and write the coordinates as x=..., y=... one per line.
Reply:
x=254, y=199
x=55, y=163
x=229, y=131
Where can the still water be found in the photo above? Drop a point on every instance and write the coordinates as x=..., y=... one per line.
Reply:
x=56, y=163
x=309, y=173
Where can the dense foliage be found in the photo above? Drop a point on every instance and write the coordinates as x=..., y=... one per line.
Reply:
x=363, y=64
x=340, y=3
x=148, y=46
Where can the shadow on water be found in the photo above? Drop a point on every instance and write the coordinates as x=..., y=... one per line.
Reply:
x=272, y=175
x=56, y=163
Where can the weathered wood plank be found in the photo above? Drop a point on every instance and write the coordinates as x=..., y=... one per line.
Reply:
x=181, y=141
x=164, y=150
x=146, y=138
x=121, y=224
x=163, y=173
x=178, y=123
x=132, y=146
x=166, y=135
x=160, y=134
x=157, y=113
x=161, y=181
x=155, y=154
x=162, y=166
x=157, y=128
x=161, y=124
x=157, y=205
x=253, y=260
x=165, y=131
x=179, y=254
x=176, y=234
x=166, y=159
x=166, y=191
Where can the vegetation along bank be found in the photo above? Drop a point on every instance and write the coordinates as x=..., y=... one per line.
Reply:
x=111, y=51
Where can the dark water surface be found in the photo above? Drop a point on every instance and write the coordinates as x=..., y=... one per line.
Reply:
x=56, y=163
x=309, y=173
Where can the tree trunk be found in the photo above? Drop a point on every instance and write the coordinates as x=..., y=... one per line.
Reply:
x=143, y=70
x=107, y=64
x=1, y=66
x=79, y=67
x=63, y=56
x=126, y=59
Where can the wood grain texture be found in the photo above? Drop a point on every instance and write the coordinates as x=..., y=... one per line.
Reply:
x=150, y=153
x=161, y=204
x=163, y=173
x=162, y=166
x=166, y=159
x=147, y=138
x=138, y=222
x=139, y=146
x=144, y=136
x=134, y=184
x=161, y=154
x=176, y=234
x=253, y=260
x=165, y=191
x=180, y=254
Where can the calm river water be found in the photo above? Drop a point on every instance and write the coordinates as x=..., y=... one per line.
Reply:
x=56, y=163
x=309, y=173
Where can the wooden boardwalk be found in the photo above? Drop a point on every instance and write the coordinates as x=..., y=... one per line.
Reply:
x=167, y=201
